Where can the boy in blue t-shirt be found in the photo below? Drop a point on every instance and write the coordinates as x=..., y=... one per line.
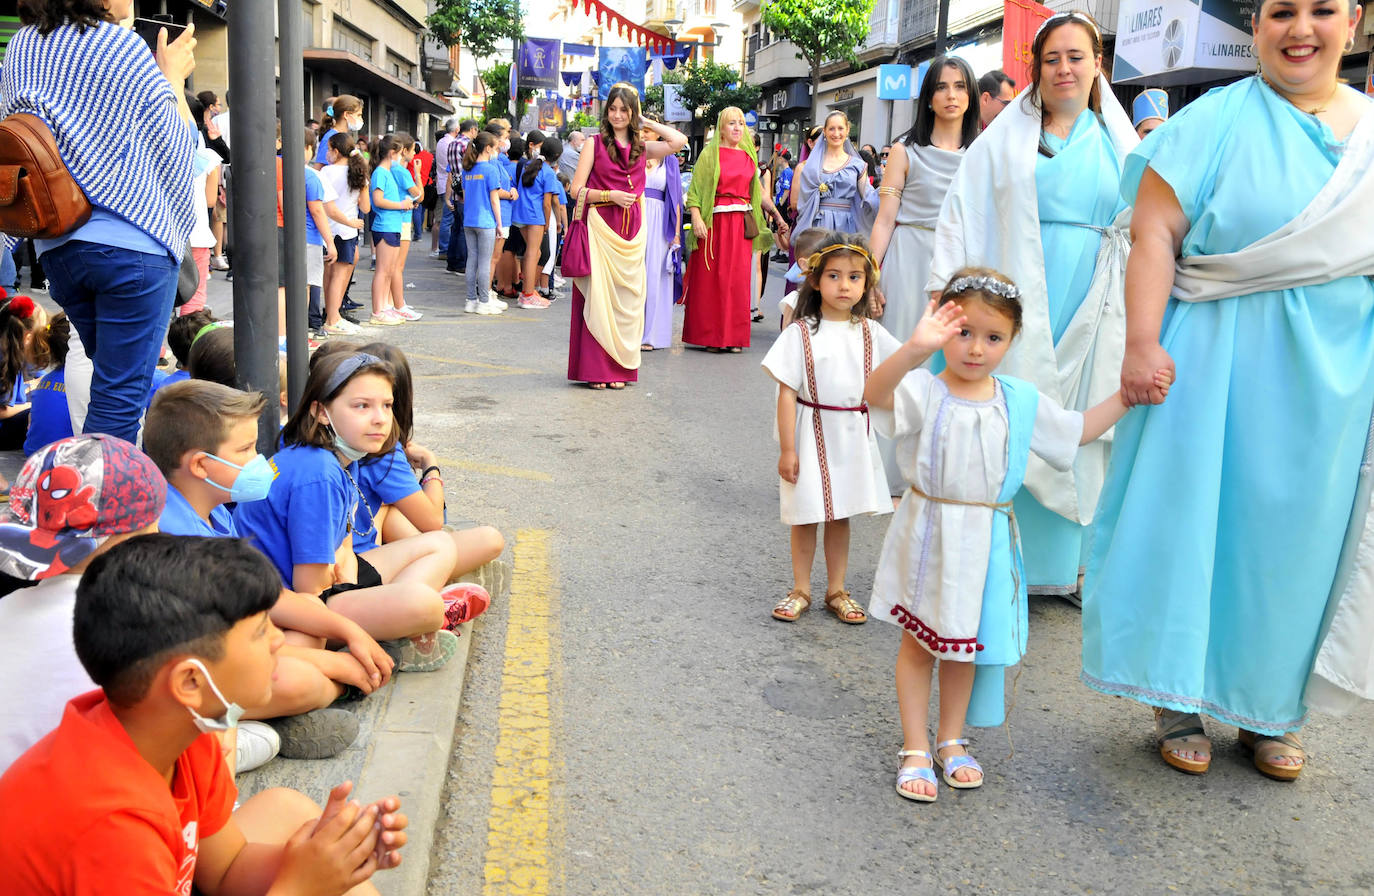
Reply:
x=203, y=437
x=319, y=208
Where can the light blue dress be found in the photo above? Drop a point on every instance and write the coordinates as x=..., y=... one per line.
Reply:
x=1079, y=185
x=1217, y=536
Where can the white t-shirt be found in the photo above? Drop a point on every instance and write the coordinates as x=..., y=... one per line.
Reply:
x=222, y=122
x=335, y=179
x=39, y=671
x=202, y=237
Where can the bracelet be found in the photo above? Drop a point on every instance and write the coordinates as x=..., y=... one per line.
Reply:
x=429, y=479
x=427, y=470
x=889, y=191
x=605, y=195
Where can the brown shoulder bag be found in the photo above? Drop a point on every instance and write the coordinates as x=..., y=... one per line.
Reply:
x=38, y=196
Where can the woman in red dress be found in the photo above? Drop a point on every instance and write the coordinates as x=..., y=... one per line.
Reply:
x=608, y=305
x=725, y=191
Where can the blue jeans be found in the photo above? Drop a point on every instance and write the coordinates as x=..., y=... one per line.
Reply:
x=9, y=274
x=445, y=225
x=481, y=243
x=457, y=245
x=119, y=301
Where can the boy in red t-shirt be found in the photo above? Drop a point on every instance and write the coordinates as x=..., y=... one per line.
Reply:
x=129, y=794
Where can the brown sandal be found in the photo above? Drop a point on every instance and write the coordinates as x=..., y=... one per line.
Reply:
x=1182, y=731
x=1267, y=748
x=844, y=607
x=790, y=608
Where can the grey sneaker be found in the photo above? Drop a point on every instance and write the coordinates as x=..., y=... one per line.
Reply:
x=422, y=653
x=318, y=734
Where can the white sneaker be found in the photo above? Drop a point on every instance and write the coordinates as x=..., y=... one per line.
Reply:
x=487, y=308
x=496, y=300
x=256, y=745
x=342, y=328
x=471, y=306
x=409, y=313
x=219, y=263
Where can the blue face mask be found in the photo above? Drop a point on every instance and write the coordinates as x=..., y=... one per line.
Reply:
x=342, y=447
x=253, y=482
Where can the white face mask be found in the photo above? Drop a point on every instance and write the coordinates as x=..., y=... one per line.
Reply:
x=347, y=450
x=232, y=711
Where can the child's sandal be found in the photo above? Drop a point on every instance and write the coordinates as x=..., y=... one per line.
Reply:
x=790, y=608
x=955, y=763
x=844, y=607
x=908, y=773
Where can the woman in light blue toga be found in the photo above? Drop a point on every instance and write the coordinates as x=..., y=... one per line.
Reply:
x=1216, y=549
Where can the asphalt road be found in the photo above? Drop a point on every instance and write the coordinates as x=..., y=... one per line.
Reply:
x=696, y=746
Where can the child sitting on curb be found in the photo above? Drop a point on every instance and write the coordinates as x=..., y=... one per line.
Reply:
x=176, y=633
x=199, y=433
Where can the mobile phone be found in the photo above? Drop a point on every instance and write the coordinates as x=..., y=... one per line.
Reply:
x=148, y=29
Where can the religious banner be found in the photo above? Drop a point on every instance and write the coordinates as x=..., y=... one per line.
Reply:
x=538, y=63
x=617, y=64
x=551, y=118
x=1020, y=20
x=673, y=108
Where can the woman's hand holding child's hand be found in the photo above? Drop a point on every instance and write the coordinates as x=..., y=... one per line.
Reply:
x=939, y=325
x=789, y=467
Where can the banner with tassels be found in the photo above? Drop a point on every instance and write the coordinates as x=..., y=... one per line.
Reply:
x=624, y=27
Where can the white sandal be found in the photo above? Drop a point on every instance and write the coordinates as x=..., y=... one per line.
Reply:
x=908, y=773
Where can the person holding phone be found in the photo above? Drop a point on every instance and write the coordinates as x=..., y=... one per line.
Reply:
x=105, y=97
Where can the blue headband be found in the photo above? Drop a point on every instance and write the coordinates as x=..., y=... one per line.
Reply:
x=345, y=370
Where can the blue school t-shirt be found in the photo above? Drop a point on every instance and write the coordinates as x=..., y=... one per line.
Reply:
x=529, y=203
x=49, y=418
x=320, y=151
x=382, y=481
x=403, y=178
x=314, y=192
x=306, y=515
x=477, y=186
x=163, y=378
x=506, y=166
x=387, y=220
x=180, y=518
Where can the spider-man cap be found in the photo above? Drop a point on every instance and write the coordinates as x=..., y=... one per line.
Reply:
x=70, y=497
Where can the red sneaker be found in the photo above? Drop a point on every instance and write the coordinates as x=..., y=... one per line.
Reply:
x=463, y=602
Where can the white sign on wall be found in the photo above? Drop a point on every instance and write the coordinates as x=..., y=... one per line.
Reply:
x=1161, y=43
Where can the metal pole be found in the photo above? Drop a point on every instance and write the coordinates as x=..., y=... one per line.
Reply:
x=293, y=196
x=942, y=28
x=253, y=207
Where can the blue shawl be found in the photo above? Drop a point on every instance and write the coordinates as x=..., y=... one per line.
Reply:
x=114, y=117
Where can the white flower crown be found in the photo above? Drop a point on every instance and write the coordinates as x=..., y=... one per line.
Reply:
x=983, y=283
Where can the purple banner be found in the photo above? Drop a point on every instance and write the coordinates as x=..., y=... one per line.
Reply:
x=538, y=63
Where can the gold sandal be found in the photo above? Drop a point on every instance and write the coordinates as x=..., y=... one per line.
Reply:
x=843, y=606
x=790, y=608
x=1267, y=748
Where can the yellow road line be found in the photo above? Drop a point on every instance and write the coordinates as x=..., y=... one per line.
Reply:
x=518, y=828
x=495, y=470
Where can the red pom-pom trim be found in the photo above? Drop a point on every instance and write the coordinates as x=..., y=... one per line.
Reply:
x=22, y=307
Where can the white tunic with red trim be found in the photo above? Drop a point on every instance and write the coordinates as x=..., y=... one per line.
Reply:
x=841, y=473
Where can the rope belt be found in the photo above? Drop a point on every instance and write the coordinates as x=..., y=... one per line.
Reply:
x=861, y=409
x=728, y=199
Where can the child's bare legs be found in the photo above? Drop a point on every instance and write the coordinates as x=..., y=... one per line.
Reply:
x=273, y=816
x=382, y=277
x=836, y=555
x=803, y=556
x=425, y=559
x=475, y=548
x=914, y=666
x=534, y=233
x=496, y=257
x=956, y=687
x=398, y=276
x=388, y=612
x=298, y=688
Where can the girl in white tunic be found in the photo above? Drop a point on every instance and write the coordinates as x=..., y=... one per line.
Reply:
x=950, y=569
x=829, y=464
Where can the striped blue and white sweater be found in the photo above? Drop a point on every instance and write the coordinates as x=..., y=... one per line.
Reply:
x=114, y=117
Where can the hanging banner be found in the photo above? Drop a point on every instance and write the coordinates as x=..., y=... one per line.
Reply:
x=538, y=63
x=673, y=108
x=1020, y=20
x=617, y=64
x=622, y=26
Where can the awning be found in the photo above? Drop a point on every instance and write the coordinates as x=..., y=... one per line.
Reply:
x=350, y=68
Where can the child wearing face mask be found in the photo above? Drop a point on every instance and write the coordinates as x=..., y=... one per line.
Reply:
x=343, y=115
x=305, y=523
x=203, y=438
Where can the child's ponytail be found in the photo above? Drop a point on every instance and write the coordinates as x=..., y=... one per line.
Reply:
x=16, y=316
x=345, y=148
x=383, y=150
x=49, y=345
x=532, y=168
x=478, y=145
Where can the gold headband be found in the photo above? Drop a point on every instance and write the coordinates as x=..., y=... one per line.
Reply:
x=813, y=261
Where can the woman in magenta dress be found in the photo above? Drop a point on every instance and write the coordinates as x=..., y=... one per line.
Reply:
x=608, y=305
x=725, y=189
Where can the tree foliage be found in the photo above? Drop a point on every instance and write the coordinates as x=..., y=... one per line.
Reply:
x=653, y=96
x=709, y=87
x=479, y=25
x=497, y=105
x=822, y=31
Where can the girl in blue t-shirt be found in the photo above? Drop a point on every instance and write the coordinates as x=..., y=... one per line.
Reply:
x=305, y=523
x=481, y=219
x=532, y=212
x=49, y=417
x=20, y=319
x=507, y=268
x=391, y=207
x=406, y=182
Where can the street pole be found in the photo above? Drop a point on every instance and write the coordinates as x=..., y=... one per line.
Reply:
x=942, y=28
x=293, y=196
x=253, y=208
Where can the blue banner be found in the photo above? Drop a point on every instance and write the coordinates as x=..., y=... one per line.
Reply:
x=617, y=64
x=538, y=63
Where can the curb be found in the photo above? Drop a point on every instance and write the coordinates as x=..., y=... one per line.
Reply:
x=404, y=747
